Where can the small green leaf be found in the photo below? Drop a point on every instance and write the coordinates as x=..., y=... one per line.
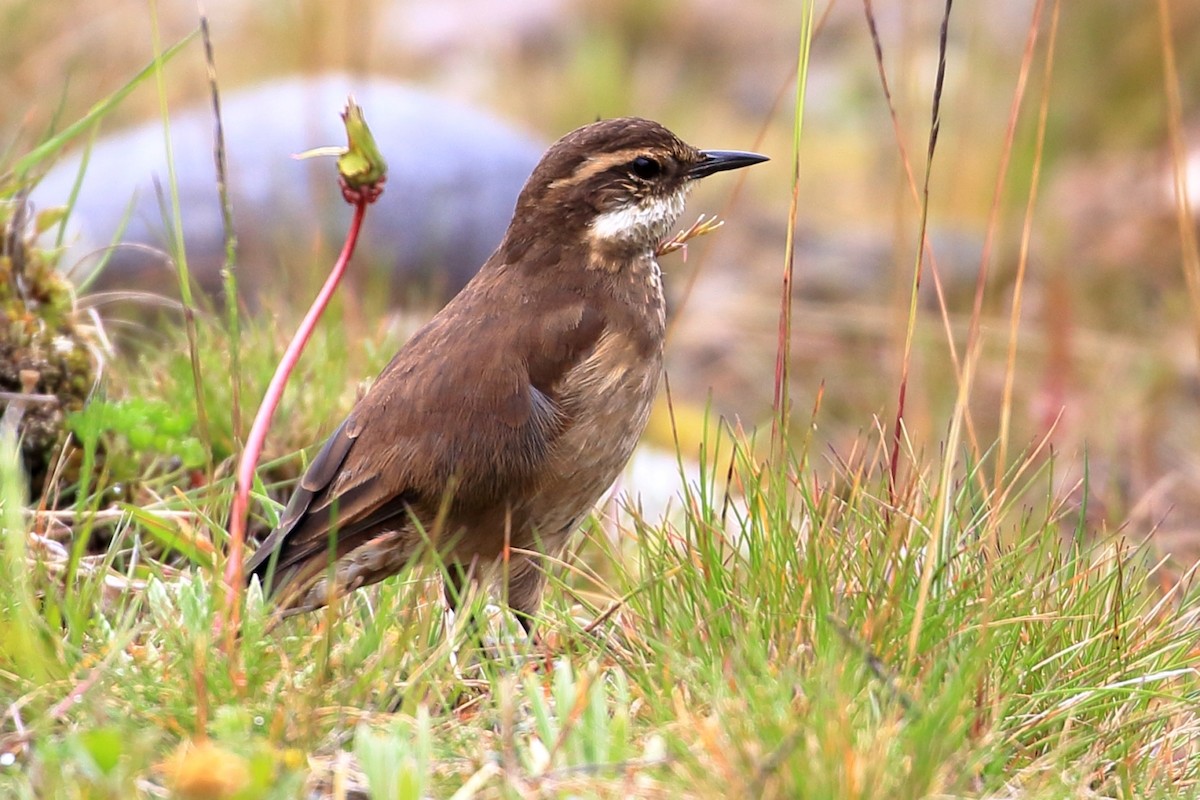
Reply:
x=191, y=452
x=141, y=437
x=103, y=747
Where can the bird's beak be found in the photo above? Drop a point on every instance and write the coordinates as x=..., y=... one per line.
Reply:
x=721, y=160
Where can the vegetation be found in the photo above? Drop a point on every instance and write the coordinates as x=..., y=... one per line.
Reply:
x=896, y=619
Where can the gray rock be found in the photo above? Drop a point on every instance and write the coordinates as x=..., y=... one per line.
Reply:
x=454, y=176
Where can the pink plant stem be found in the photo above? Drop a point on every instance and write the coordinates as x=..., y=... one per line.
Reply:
x=262, y=420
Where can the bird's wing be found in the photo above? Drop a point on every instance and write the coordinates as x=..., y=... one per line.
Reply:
x=456, y=406
x=288, y=547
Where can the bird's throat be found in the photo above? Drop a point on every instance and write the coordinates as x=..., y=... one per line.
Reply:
x=637, y=226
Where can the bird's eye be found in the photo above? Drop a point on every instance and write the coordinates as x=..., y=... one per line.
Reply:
x=646, y=168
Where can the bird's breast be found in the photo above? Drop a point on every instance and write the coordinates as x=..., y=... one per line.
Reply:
x=608, y=396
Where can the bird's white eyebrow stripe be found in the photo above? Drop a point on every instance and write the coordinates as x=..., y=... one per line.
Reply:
x=596, y=164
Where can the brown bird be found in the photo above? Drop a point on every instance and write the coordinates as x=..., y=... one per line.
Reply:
x=496, y=428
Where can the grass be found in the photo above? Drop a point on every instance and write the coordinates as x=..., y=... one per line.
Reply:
x=773, y=654
x=881, y=621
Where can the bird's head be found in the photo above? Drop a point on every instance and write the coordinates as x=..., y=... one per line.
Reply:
x=617, y=185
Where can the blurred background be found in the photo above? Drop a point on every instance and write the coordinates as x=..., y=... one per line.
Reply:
x=1108, y=348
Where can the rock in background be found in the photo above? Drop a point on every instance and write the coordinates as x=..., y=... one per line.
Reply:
x=454, y=175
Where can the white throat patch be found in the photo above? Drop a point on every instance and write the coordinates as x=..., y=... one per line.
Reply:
x=640, y=223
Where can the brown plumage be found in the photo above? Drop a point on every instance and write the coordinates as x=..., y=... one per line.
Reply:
x=503, y=420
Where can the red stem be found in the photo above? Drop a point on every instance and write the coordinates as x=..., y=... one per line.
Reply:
x=262, y=422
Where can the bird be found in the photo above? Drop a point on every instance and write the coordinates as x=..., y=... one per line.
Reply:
x=499, y=425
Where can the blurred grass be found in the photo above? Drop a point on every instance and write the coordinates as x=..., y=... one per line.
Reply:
x=788, y=633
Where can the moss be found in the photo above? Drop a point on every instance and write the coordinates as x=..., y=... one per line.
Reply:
x=46, y=362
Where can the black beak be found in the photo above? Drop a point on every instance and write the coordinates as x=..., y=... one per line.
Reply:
x=721, y=160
